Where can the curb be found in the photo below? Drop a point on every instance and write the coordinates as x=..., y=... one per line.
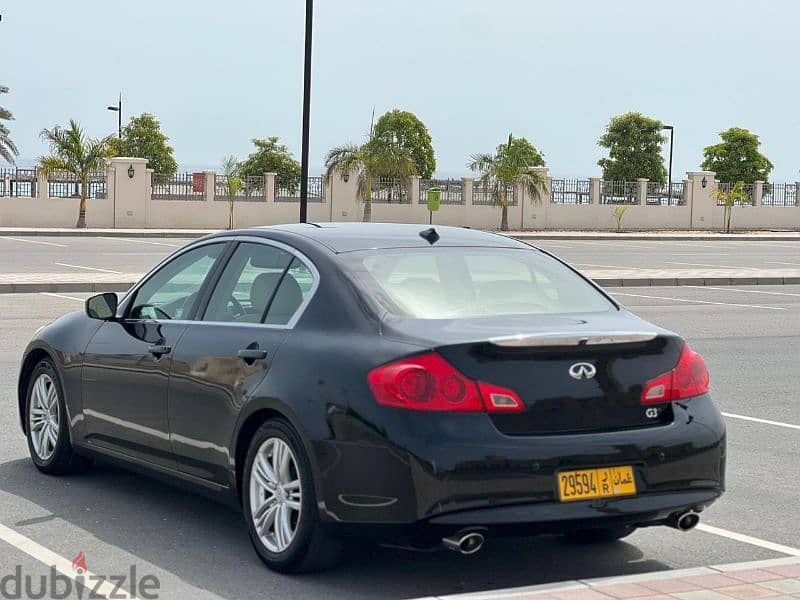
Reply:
x=523, y=236
x=589, y=585
x=124, y=286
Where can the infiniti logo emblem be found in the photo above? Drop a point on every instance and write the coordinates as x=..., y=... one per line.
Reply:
x=582, y=370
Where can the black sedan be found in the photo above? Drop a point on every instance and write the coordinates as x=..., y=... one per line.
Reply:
x=421, y=386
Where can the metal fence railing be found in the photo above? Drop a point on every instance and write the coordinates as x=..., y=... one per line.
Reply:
x=749, y=190
x=67, y=185
x=657, y=194
x=291, y=192
x=569, y=191
x=452, y=190
x=779, y=194
x=390, y=191
x=253, y=189
x=619, y=192
x=483, y=194
x=19, y=183
x=178, y=186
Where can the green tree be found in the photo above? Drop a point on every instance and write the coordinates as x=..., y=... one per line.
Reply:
x=512, y=164
x=271, y=156
x=233, y=183
x=142, y=138
x=737, y=158
x=7, y=148
x=72, y=152
x=736, y=195
x=634, y=145
x=381, y=157
x=412, y=135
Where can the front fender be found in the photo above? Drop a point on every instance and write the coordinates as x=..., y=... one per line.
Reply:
x=64, y=341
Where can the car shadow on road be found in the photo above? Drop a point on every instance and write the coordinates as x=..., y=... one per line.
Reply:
x=205, y=544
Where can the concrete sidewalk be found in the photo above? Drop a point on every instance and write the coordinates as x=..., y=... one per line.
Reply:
x=610, y=278
x=777, y=579
x=523, y=235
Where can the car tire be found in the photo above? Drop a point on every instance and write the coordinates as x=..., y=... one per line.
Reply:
x=304, y=545
x=601, y=535
x=47, y=424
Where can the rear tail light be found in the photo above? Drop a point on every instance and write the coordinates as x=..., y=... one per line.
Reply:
x=689, y=378
x=428, y=382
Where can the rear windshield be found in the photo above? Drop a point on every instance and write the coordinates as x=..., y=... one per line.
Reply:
x=453, y=283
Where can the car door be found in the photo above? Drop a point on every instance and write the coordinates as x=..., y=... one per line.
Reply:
x=128, y=361
x=223, y=358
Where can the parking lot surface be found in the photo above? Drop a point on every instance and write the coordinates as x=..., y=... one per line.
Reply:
x=19, y=254
x=200, y=549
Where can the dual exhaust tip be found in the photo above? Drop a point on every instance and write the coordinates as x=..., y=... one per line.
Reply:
x=470, y=542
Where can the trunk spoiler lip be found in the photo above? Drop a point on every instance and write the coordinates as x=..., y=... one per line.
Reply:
x=589, y=338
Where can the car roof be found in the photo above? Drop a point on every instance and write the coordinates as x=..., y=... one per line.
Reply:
x=349, y=237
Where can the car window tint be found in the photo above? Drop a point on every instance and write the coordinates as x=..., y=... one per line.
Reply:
x=248, y=283
x=294, y=289
x=171, y=292
x=469, y=282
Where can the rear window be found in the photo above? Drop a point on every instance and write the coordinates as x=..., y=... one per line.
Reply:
x=453, y=283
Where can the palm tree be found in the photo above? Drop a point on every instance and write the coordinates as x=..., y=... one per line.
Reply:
x=233, y=183
x=509, y=166
x=8, y=150
x=381, y=157
x=736, y=195
x=74, y=153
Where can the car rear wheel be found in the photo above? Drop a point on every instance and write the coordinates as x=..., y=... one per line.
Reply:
x=47, y=425
x=280, y=504
x=601, y=535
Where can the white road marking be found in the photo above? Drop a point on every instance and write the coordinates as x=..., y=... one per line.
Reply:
x=672, y=262
x=757, y=420
x=727, y=289
x=54, y=295
x=777, y=262
x=698, y=301
x=87, y=268
x=607, y=266
x=135, y=240
x=47, y=557
x=740, y=537
x=14, y=239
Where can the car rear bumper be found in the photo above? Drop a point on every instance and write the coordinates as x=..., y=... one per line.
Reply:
x=459, y=471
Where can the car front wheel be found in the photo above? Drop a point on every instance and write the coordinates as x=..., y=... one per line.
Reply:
x=280, y=503
x=46, y=424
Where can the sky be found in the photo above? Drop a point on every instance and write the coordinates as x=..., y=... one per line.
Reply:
x=220, y=73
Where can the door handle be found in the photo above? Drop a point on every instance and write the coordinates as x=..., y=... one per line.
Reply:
x=251, y=355
x=158, y=350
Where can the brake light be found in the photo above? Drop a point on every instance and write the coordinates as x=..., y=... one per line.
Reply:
x=428, y=382
x=689, y=378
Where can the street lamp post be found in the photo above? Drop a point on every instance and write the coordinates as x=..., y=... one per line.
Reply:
x=669, y=178
x=306, y=114
x=118, y=109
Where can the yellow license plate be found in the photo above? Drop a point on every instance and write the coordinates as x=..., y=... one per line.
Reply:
x=587, y=484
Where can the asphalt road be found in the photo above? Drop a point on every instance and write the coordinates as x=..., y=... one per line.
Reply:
x=136, y=255
x=200, y=549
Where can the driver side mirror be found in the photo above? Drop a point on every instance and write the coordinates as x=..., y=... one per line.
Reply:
x=102, y=306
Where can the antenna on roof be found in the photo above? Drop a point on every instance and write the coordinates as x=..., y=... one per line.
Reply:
x=429, y=235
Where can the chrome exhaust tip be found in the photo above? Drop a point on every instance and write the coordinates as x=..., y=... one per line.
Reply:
x=464, y=543
x=685, y=521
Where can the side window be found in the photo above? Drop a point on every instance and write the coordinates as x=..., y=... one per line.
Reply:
x=248, y=284
x=294, y=288
x=172, y=291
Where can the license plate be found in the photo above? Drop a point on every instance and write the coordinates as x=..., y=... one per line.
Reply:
x=587, y=484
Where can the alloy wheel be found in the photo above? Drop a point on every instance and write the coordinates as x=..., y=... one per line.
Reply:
x=44, y=417
x=275, y=494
